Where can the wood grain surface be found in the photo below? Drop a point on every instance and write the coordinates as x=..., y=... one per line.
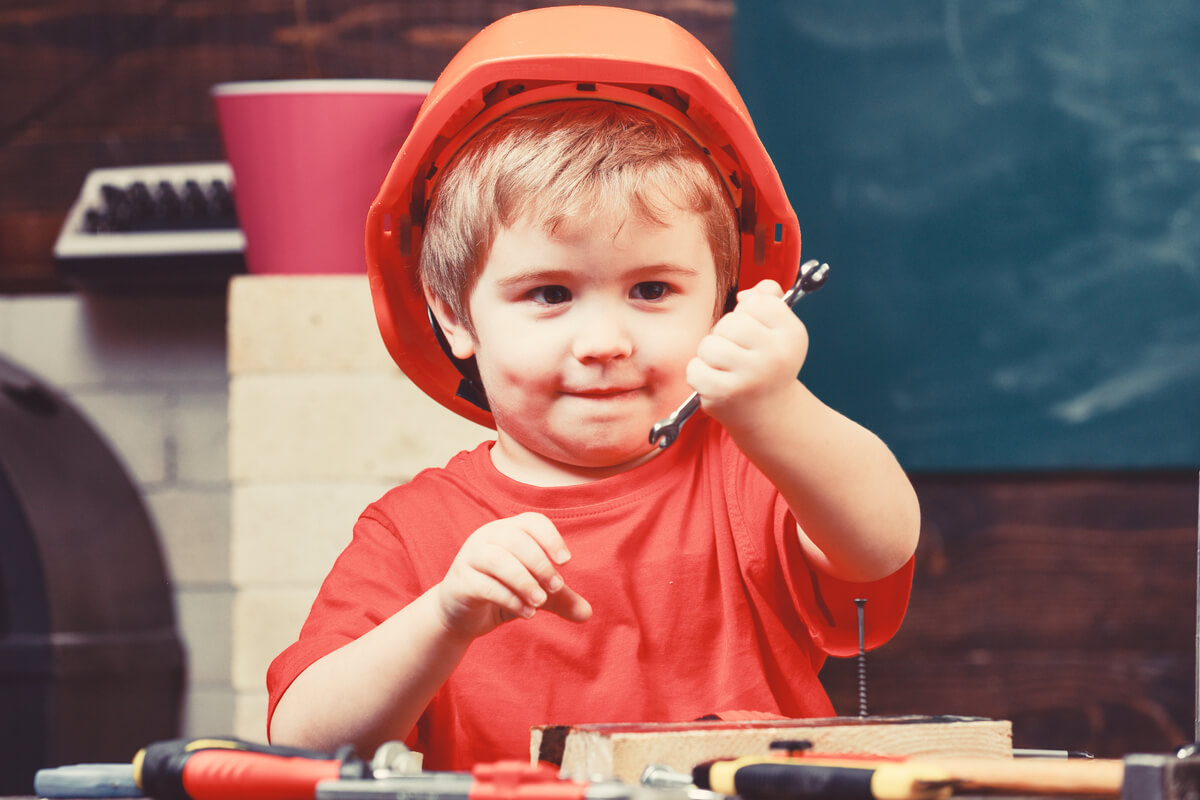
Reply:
x=624, y=751
x=1065, y=603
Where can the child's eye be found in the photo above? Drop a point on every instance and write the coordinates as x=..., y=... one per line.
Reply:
x=550, y=295
x=650, y=290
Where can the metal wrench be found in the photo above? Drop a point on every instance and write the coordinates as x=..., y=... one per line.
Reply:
x=812, y=277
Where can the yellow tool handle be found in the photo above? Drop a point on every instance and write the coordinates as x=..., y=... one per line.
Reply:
x=1038, y=776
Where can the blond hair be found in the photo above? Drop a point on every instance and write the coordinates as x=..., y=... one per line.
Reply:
x=562, y=164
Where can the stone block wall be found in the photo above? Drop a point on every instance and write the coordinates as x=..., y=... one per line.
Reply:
x=148, y=370
x=257, y=425
x=321, y=423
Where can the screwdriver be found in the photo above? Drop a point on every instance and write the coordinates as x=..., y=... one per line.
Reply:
x=204, y=769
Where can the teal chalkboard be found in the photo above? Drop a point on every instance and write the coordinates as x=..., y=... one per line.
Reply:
x=1008, y=192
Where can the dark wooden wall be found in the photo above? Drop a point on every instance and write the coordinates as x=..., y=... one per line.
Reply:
x=1062, y=602
x=96, y=83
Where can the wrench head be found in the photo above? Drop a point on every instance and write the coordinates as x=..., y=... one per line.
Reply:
x=815, y=278
x=663, y=434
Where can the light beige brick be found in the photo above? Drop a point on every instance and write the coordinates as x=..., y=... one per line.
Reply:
x=199, y=422
x=6, y=304
x=292, y=532
x=204, y=617
x=265, y=621
x=149, y=371
x=352, y=428
x=193, y=527
x=250, y=716
x=48, y=336
x=135, y=424
x=290, y=323
x=73, y=340
x=209, y=711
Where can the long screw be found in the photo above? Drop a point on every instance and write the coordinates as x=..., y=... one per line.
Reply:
x=861, y=602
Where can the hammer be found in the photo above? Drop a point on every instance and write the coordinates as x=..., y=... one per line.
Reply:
x=1135, y=777
x=1162, y=777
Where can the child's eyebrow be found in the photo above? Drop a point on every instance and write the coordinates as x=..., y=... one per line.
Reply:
x=552, y=276
x=536, y=276
x=669, y=270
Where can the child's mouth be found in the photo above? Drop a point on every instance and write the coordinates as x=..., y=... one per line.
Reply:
x=602, y=392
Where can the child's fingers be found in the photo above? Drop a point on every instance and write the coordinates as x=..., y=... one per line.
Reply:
x=742, y=328
x=746, y=345
x=715, y=385
x=545, y=534
x=569, y=605
x=534, y=540
x=492, y=574
x=518, y=563
x=725, y=352
x=762, y=305
x=765, y=286
x=508, y=569
x=522, y=552
x=494, y=591
x=760, y=332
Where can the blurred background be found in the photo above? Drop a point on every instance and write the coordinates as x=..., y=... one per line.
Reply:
x=1007, y=192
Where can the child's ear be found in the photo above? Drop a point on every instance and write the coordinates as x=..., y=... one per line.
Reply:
x=462, y=344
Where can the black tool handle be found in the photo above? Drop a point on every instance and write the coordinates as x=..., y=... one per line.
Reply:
x=785, y=781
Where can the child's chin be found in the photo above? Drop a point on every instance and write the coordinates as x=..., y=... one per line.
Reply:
x=613, y=455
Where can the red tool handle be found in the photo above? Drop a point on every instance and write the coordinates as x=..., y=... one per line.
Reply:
x=520, y=780
x=240, y=775
x=232, y=769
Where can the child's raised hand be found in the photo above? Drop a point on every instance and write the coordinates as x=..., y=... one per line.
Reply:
x=508, y=569
x=751, y=357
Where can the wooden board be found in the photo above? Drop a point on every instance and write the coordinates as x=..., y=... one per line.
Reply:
x=623, y=751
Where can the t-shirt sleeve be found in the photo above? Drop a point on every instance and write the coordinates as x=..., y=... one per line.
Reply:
x=370, y=581
x=825, y=603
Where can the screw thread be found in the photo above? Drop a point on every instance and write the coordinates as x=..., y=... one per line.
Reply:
x=861, y=602
x=862, y=684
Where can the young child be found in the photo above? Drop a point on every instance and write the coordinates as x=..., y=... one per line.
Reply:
x=575, y=225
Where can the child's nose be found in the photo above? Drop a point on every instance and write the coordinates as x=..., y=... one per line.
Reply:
x=602, y=337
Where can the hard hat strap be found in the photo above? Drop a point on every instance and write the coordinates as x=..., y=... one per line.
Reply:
x=470, y=388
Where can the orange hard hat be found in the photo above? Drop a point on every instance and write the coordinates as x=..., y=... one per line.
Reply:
x=555, y=53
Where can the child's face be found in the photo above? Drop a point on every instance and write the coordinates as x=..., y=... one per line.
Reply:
x=582, y=341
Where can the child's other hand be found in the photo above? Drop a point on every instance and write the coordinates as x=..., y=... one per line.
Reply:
x=750, y=359
x=505, y=570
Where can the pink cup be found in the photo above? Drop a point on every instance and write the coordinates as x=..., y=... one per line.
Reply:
x=308, y=157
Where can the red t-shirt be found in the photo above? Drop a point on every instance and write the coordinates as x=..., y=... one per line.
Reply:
x=703, y=601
